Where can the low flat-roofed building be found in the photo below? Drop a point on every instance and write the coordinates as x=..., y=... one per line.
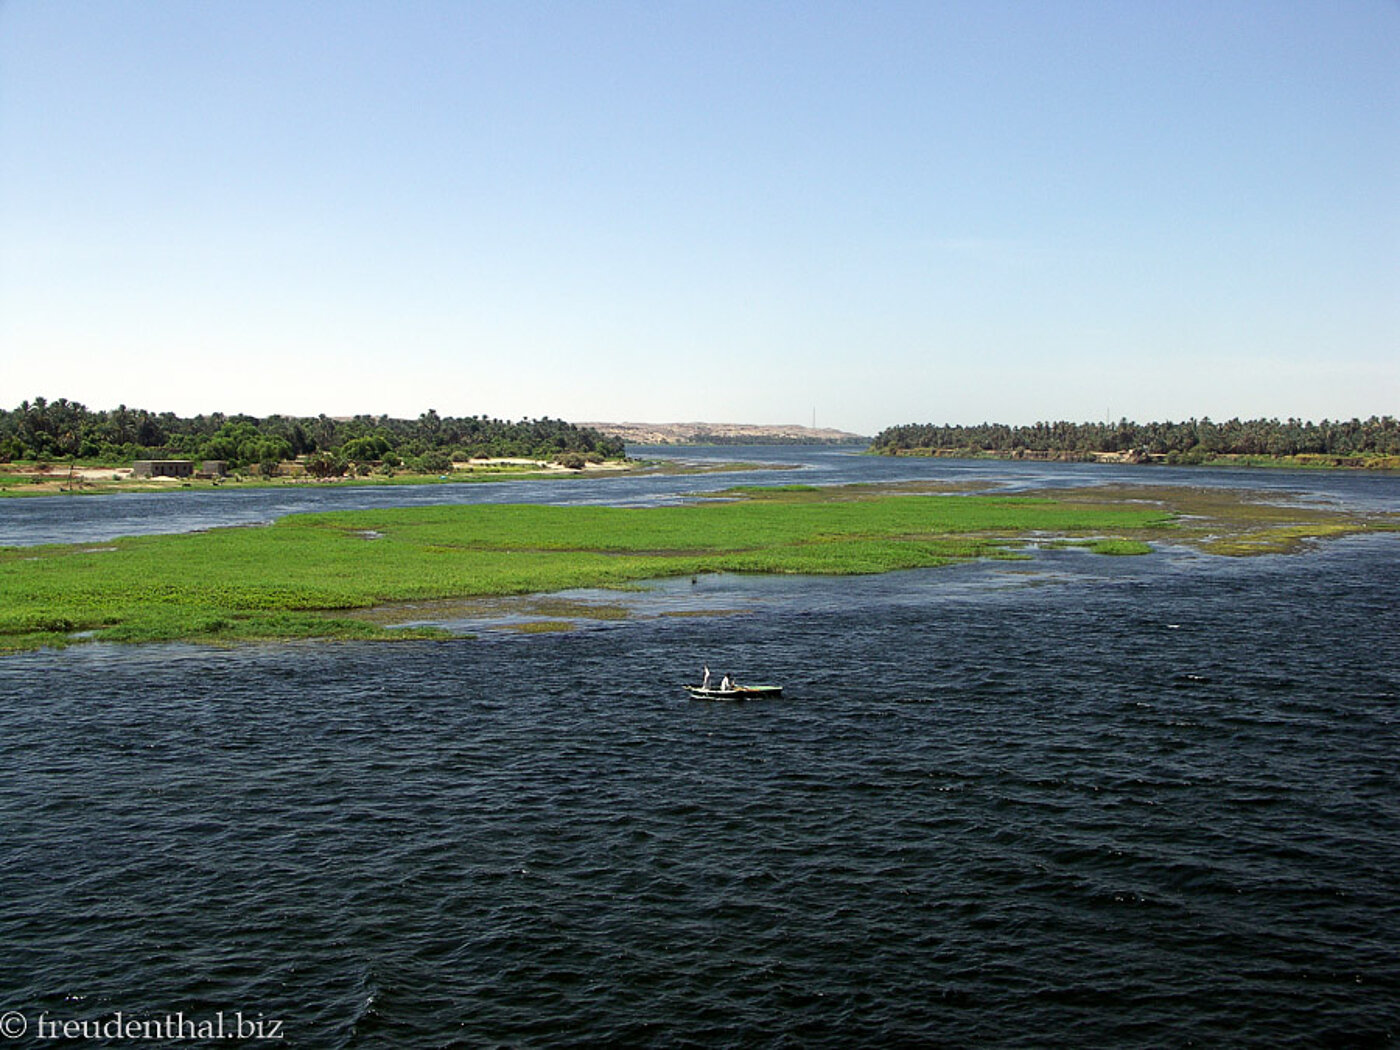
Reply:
x=162, y=468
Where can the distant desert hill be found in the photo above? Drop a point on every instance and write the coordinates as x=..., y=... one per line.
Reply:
x=725, y=434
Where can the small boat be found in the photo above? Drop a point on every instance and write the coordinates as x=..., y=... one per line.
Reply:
x=734, y=692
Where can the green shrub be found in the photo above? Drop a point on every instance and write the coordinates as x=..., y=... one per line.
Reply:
x=433, y=463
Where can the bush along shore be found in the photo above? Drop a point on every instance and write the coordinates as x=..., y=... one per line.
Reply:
x=314, y=575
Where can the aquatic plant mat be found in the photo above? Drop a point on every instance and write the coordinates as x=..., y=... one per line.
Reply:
x=317, y=575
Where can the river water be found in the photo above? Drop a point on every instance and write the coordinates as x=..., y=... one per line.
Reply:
x=1072, y=801
x=86, y=518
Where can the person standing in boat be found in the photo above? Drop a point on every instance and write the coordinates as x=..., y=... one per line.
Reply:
x=706, y=683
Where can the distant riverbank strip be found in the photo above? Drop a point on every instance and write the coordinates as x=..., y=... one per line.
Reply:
x=313, y=575
x=1304, y=461
x=1372, y=443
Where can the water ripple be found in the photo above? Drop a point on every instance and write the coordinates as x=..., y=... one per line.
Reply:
x=984, y=816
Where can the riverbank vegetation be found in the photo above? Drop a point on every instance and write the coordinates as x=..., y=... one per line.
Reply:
x=308, y=575
x=28, y=479
x=1373, y=442
x=65, y=431
x=20, y=480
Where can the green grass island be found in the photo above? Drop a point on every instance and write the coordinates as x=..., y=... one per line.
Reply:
x=352, y=574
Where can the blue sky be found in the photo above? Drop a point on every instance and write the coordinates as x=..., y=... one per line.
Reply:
x=734, y=212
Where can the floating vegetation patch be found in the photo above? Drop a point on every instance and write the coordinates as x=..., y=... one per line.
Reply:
x=1102, y=545
x=1238, y=523
x=1281, y=539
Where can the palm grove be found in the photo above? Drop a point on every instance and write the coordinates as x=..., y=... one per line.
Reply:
x=1190, y=441
x=65, y=430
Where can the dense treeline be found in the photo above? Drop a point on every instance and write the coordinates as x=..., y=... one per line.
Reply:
x=1195, y=440
x=63, y=429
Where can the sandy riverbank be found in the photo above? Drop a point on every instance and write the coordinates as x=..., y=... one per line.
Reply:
x=51, y=478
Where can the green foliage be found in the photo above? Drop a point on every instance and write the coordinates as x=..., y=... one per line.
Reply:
x=62, y=429
x=434, y=462
x=370, y=447
x=1192, y=441
x=325, y=465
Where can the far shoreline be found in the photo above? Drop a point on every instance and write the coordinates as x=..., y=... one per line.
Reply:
x=33, y=479
x=1227, y=461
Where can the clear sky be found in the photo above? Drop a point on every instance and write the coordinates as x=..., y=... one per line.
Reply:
x=750, y=211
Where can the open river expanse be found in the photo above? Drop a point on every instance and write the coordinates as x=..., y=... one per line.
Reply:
x=1070, y=801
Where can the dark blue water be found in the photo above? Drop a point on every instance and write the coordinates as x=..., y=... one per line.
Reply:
x=1076, y=801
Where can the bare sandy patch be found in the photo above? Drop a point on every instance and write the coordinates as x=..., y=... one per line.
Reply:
x=537, y=466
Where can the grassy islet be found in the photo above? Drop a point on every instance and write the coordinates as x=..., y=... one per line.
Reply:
x=313, y=575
